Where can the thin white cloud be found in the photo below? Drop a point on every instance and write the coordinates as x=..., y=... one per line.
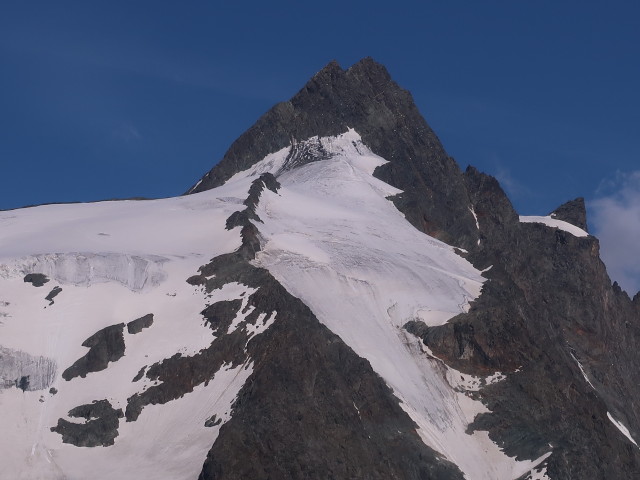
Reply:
x=127, y=132
x=615, y=217
x=513, y=187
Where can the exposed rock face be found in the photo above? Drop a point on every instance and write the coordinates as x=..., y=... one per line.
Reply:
x=106, y=345
x=137, y=325
x=27, y=372
x=53, y=294
x=573, y=212
x=100, y=427
x=36, y=279
x=547, y=313
x=365, y=98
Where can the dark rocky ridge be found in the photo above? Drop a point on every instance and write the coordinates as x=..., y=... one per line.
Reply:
x=365, y=98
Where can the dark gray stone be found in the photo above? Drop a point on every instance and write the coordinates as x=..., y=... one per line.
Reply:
x=52, y=294
x=139, y=375
x=573, y=212
x=36, y=279
x=106, y=345
x=23, y=383
x=220, y=314
x=137, y=325
x=100, y=427
x=213, y=421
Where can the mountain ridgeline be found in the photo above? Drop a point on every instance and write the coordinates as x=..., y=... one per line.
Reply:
x=548, y=316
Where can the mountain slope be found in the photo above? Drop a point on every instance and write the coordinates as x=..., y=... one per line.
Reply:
x=335, y=299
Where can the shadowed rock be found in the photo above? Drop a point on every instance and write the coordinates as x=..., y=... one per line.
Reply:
x=36, y=279
x=52, y=294
x=99, y=429
x=106, y=345
x=136, y=326
x=573, y=212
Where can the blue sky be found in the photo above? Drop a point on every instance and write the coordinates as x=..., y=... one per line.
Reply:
x=120, y=99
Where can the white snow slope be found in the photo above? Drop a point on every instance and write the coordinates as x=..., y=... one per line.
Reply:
x=115, y=262
x=329, y=236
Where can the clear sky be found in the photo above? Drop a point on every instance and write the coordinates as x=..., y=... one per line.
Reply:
x=121, y=99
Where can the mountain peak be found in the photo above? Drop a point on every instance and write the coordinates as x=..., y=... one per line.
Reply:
x=364, y=70
x=365, y=98
x=330, y=69
x=369, y=67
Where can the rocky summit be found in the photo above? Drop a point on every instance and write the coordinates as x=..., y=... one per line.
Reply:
x=335, y=299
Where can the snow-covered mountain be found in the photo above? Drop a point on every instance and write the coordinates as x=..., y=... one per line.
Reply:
x=335, y=299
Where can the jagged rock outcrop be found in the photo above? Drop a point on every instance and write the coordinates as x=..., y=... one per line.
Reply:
x=547, y=313
x=573, y=212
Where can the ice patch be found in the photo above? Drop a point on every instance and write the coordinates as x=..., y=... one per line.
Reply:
x=136, y=272
x=38, y=372
x=471, y=383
